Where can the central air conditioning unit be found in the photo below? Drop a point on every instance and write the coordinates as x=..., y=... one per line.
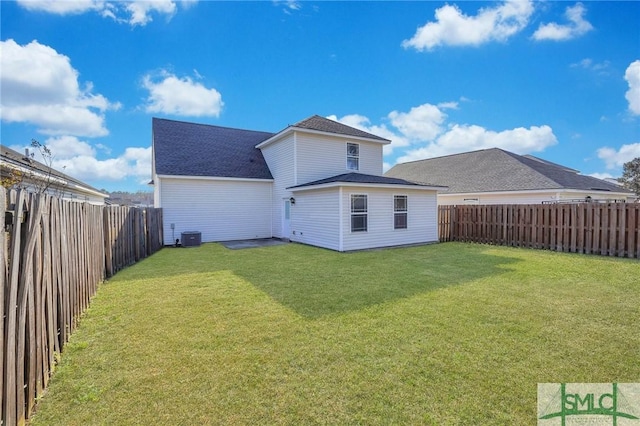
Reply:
x=191, y=239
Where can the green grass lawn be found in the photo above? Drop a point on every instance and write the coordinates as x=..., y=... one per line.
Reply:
x=442, y=334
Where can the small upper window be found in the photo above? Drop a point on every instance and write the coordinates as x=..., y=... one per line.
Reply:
x=353, y=156
x=399, y=212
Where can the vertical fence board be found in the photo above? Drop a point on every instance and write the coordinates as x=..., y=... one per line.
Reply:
x=53, y=256
x=3, y=279
x=631, y=226
x=590, y=228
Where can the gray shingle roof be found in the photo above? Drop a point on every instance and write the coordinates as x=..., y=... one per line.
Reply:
x=322, y=124
x=494, y=169
x=359, y=178
x=190, y=149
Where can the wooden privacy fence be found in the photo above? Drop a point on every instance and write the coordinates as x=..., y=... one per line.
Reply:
x=53, y=254
x=591, y=228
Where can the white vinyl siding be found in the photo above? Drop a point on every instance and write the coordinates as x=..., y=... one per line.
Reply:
x=319, y=157
x=318, y=216
x=529, y=197
x=280, y=157
x=315, y=218
x=220, y=209
x=421, y=219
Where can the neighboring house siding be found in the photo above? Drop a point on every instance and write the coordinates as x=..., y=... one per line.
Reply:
x=319, y=157
x=315, y=218
x=220, y=209
x=280, y=159
x=525, y=198
x=422, y=221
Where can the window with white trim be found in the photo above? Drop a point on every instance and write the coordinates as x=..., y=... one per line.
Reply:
x=400, y=212
x=353, y=156
x=358, y=213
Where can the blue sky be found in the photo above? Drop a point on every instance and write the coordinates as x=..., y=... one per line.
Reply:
x=559, y=80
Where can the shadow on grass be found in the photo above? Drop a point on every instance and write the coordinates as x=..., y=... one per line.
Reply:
x=315, y=282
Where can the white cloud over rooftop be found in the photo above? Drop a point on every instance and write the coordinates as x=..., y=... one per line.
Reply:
x=170, y=94
x=617, y=157
x=423, y=132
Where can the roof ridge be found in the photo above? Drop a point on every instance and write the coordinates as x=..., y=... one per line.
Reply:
x=336, y=127
x=542, y=163
x=455, y=154
x=212, y=125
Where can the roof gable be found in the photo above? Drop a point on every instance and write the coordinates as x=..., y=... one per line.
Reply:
x=317, y=124
x=325, y=125
x=494, y=169
x=191, y=149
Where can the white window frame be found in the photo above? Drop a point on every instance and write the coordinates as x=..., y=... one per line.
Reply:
x=355, y=156
x=359, y=213
x=404, y=212
x=471, y=201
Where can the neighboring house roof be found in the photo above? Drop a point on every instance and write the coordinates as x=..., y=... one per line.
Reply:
x=317, y=124
x=191, y=149
x=59, y=180
x=361, y=178
x=495, y=170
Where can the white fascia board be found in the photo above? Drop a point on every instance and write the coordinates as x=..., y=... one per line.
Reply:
x=366, y=185
x=219, y=178
x=290, y=130
x=80, y=188
x=532, y=191
x=57, y=181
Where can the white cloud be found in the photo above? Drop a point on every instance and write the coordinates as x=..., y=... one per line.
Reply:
x=423, y=133
x=616, y=158
x=588, y=64
x=577, y=26
x=453, y=28
x=181, y=96
x=423, y=122
x=463, y=138
x=40, y=87
x=62, y=7
x=78, y=159
x=448, y=105
x=363, y=123
x=632, y=75
x=140, y=11
x=131, y=12
x=602, y=176
x=69, y=147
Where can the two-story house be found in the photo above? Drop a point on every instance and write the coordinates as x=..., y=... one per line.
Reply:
x=317, y=182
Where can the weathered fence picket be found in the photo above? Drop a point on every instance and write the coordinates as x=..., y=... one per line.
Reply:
x=591, y=228
x=53, y=255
